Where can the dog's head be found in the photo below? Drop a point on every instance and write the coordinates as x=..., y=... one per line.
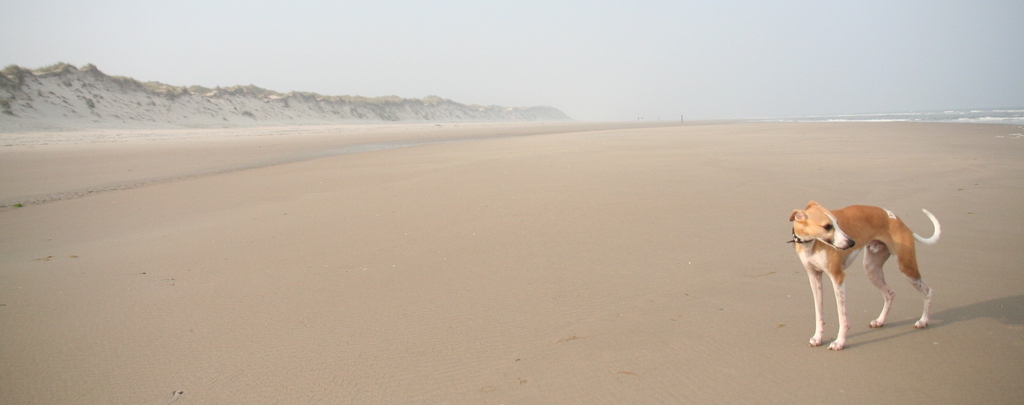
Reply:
x=817, y=223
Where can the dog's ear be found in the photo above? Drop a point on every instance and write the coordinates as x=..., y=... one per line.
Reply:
x=798, y=215
x=812, y=203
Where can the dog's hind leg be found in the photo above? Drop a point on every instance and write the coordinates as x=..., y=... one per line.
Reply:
x=908, y=265
x=875, y=255
x=927, y=292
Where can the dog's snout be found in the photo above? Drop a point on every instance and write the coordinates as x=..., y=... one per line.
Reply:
x=841, y=244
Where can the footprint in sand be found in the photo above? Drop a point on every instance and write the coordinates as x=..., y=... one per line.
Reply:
x=175, y=395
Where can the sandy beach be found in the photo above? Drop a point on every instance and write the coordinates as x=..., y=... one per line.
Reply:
x=566, y=263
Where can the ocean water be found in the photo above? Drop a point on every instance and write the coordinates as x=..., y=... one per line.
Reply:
x=1011, y=116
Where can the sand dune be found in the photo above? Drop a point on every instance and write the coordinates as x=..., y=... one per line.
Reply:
x=601, y=264
x=65, y=97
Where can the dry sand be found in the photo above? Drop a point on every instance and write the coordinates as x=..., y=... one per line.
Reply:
x=588, y=263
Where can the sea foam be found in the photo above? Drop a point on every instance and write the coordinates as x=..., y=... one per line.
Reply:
x=1012, y=116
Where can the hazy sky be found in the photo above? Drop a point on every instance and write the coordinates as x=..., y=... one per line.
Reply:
x=594, y=60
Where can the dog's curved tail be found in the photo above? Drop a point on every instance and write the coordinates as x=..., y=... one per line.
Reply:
x=935, y=236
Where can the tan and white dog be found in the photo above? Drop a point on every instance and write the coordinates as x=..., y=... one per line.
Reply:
x=828, y=241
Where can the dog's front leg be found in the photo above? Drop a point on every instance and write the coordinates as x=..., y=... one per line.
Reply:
x=844, y=323
x=819, y=324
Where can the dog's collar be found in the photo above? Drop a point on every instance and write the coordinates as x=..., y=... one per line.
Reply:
x=796, y=239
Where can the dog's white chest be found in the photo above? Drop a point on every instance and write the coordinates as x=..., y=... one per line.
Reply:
x=813, y=259
x=818, y=259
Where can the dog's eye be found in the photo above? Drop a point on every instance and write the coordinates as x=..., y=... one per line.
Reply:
x=828, y=227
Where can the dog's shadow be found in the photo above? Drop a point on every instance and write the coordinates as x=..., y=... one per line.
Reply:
x=1008, y=310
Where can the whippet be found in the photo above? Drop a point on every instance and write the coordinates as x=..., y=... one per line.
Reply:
x=828, y=241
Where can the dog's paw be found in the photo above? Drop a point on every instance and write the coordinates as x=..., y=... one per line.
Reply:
x=921, y=324
x=876, y=324
x=837, y=345
x=815, y=341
